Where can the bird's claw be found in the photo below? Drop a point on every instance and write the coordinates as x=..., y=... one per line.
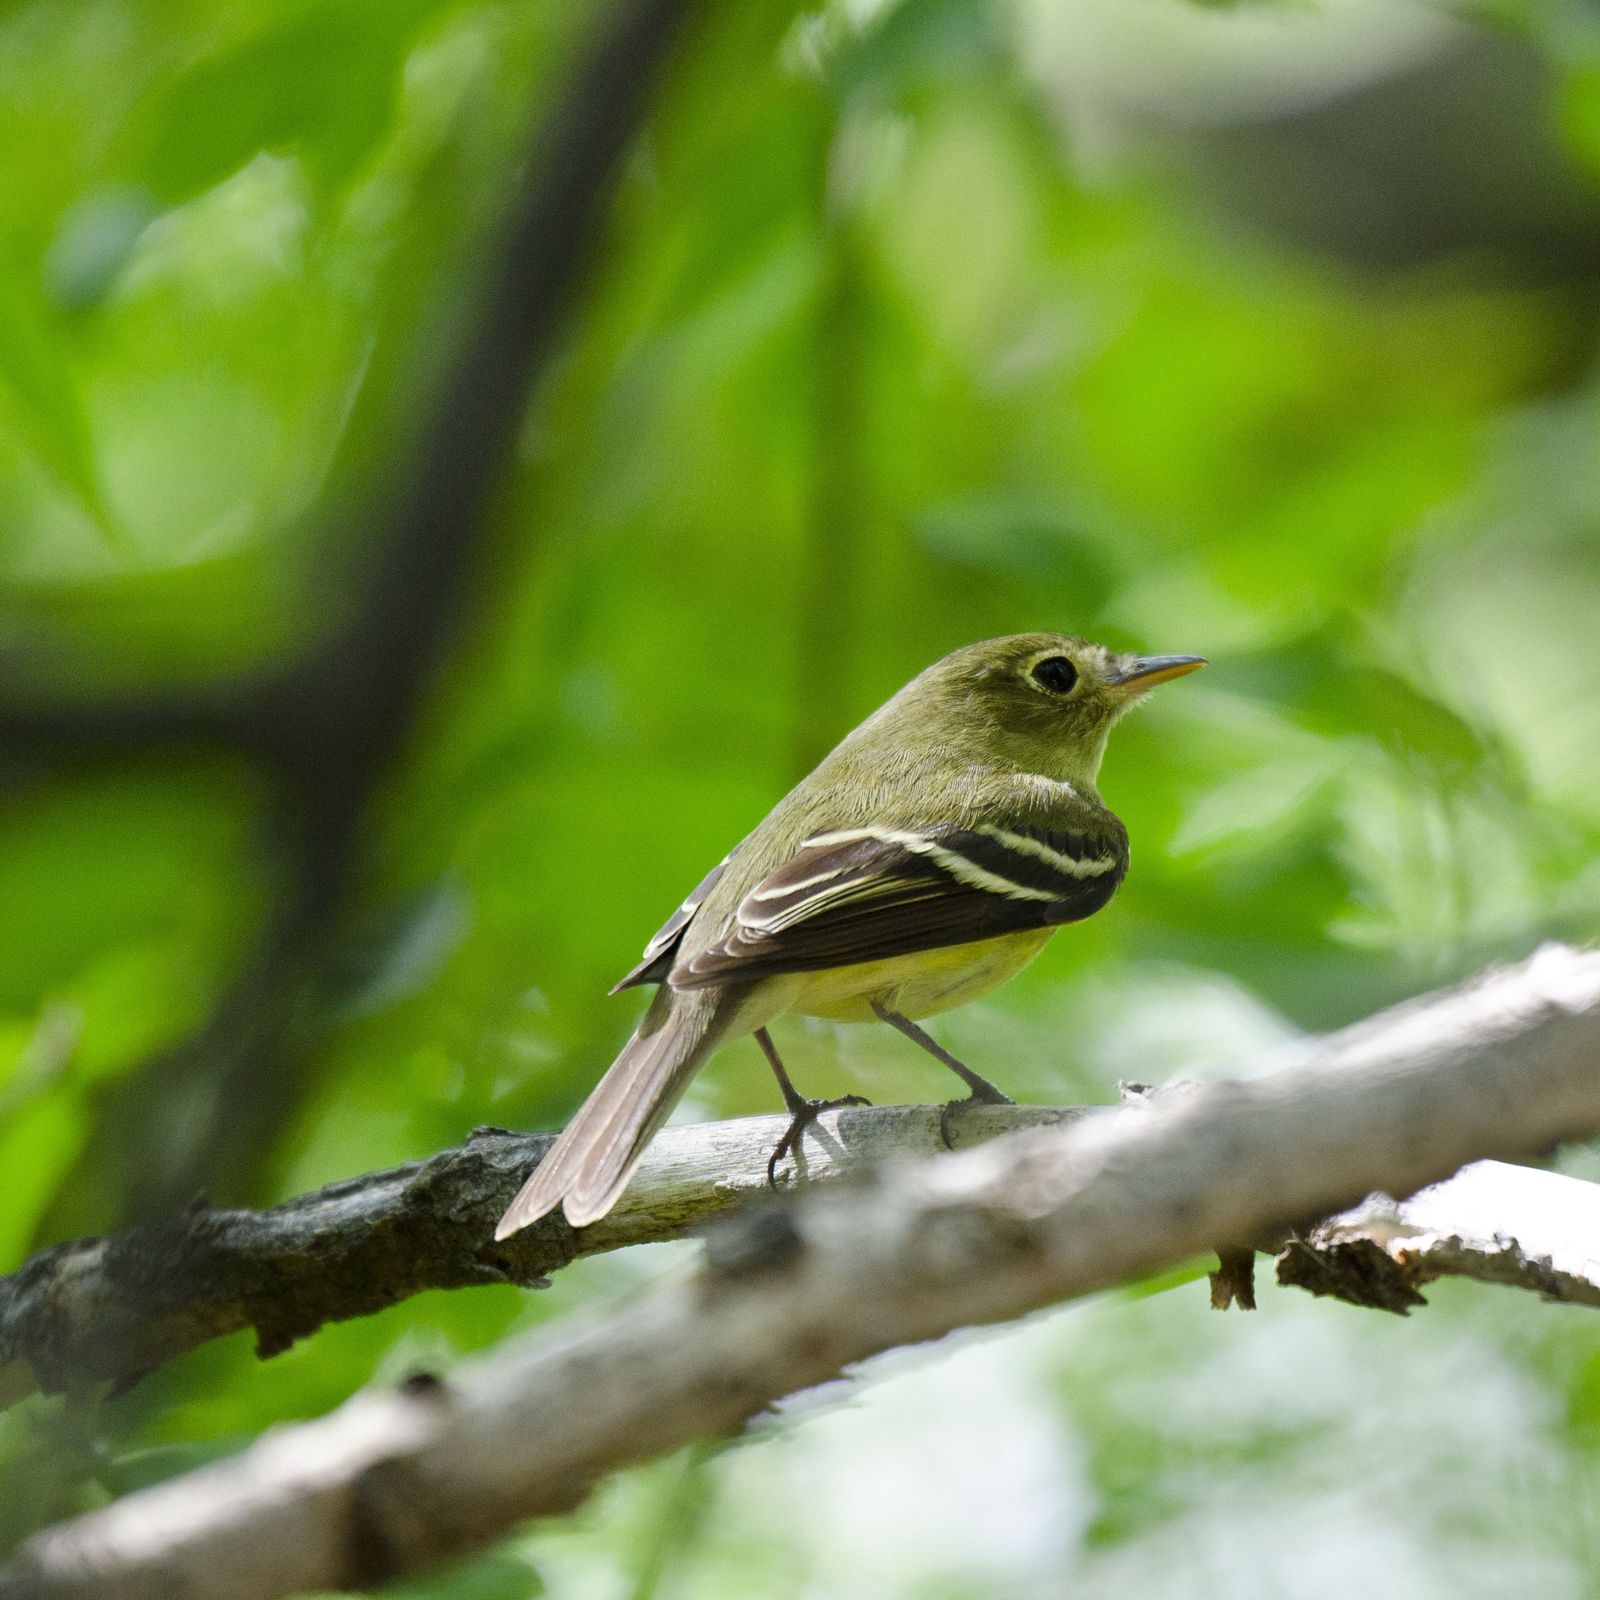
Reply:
x=986, y=1096
x=801, y=1117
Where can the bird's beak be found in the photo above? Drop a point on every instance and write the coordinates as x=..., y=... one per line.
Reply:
x=1139, y=673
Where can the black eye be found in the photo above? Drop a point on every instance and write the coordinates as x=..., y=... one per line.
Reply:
x=1056, y=674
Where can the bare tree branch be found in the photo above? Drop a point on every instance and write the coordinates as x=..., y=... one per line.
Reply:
x=329, y=726
x=1497, y=1223
x=112, y=1310
x=789, y=1296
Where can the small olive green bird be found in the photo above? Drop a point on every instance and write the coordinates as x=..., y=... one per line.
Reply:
x=928, y=858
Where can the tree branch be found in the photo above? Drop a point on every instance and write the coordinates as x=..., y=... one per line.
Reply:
x=1499, y=1224
x=789, y=1296
x=330, y=724
x=111, y=1310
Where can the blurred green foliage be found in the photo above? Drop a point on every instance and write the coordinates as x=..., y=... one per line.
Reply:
x=916, y=323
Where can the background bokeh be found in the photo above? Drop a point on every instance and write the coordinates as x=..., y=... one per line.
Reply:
x=1262, y=330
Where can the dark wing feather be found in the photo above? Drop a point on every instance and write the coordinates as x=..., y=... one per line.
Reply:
x=864, y=894
x=663, y=948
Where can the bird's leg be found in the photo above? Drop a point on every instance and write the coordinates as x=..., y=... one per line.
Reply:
x=983, y=1092
x=802, y=1111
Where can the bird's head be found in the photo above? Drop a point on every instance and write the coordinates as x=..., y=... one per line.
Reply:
x=1041, y=702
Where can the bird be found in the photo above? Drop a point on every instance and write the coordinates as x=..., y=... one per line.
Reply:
x=926, y=859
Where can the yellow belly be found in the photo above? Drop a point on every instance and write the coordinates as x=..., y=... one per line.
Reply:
x=917, y=985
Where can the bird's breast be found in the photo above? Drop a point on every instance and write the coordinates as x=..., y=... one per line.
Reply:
x=916, y=985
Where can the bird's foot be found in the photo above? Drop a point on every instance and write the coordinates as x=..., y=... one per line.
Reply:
x=983, y=1093
x=802, y=1114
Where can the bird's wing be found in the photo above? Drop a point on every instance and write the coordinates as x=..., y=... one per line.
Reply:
x=659, y=953
x=863, y=894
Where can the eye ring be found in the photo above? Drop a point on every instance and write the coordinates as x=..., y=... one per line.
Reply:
x=1055, y=675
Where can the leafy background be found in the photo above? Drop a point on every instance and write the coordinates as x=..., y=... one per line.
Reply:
x=1262, y=330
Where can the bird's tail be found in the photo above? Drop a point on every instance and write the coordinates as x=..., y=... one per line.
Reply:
x=588, y=1167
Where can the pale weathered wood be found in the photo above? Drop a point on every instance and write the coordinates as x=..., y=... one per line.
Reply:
x=1502, y=1224
x=791, y=1295
x=110, y=1310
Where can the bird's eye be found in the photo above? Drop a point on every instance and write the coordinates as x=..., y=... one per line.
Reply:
x=1056, y=674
